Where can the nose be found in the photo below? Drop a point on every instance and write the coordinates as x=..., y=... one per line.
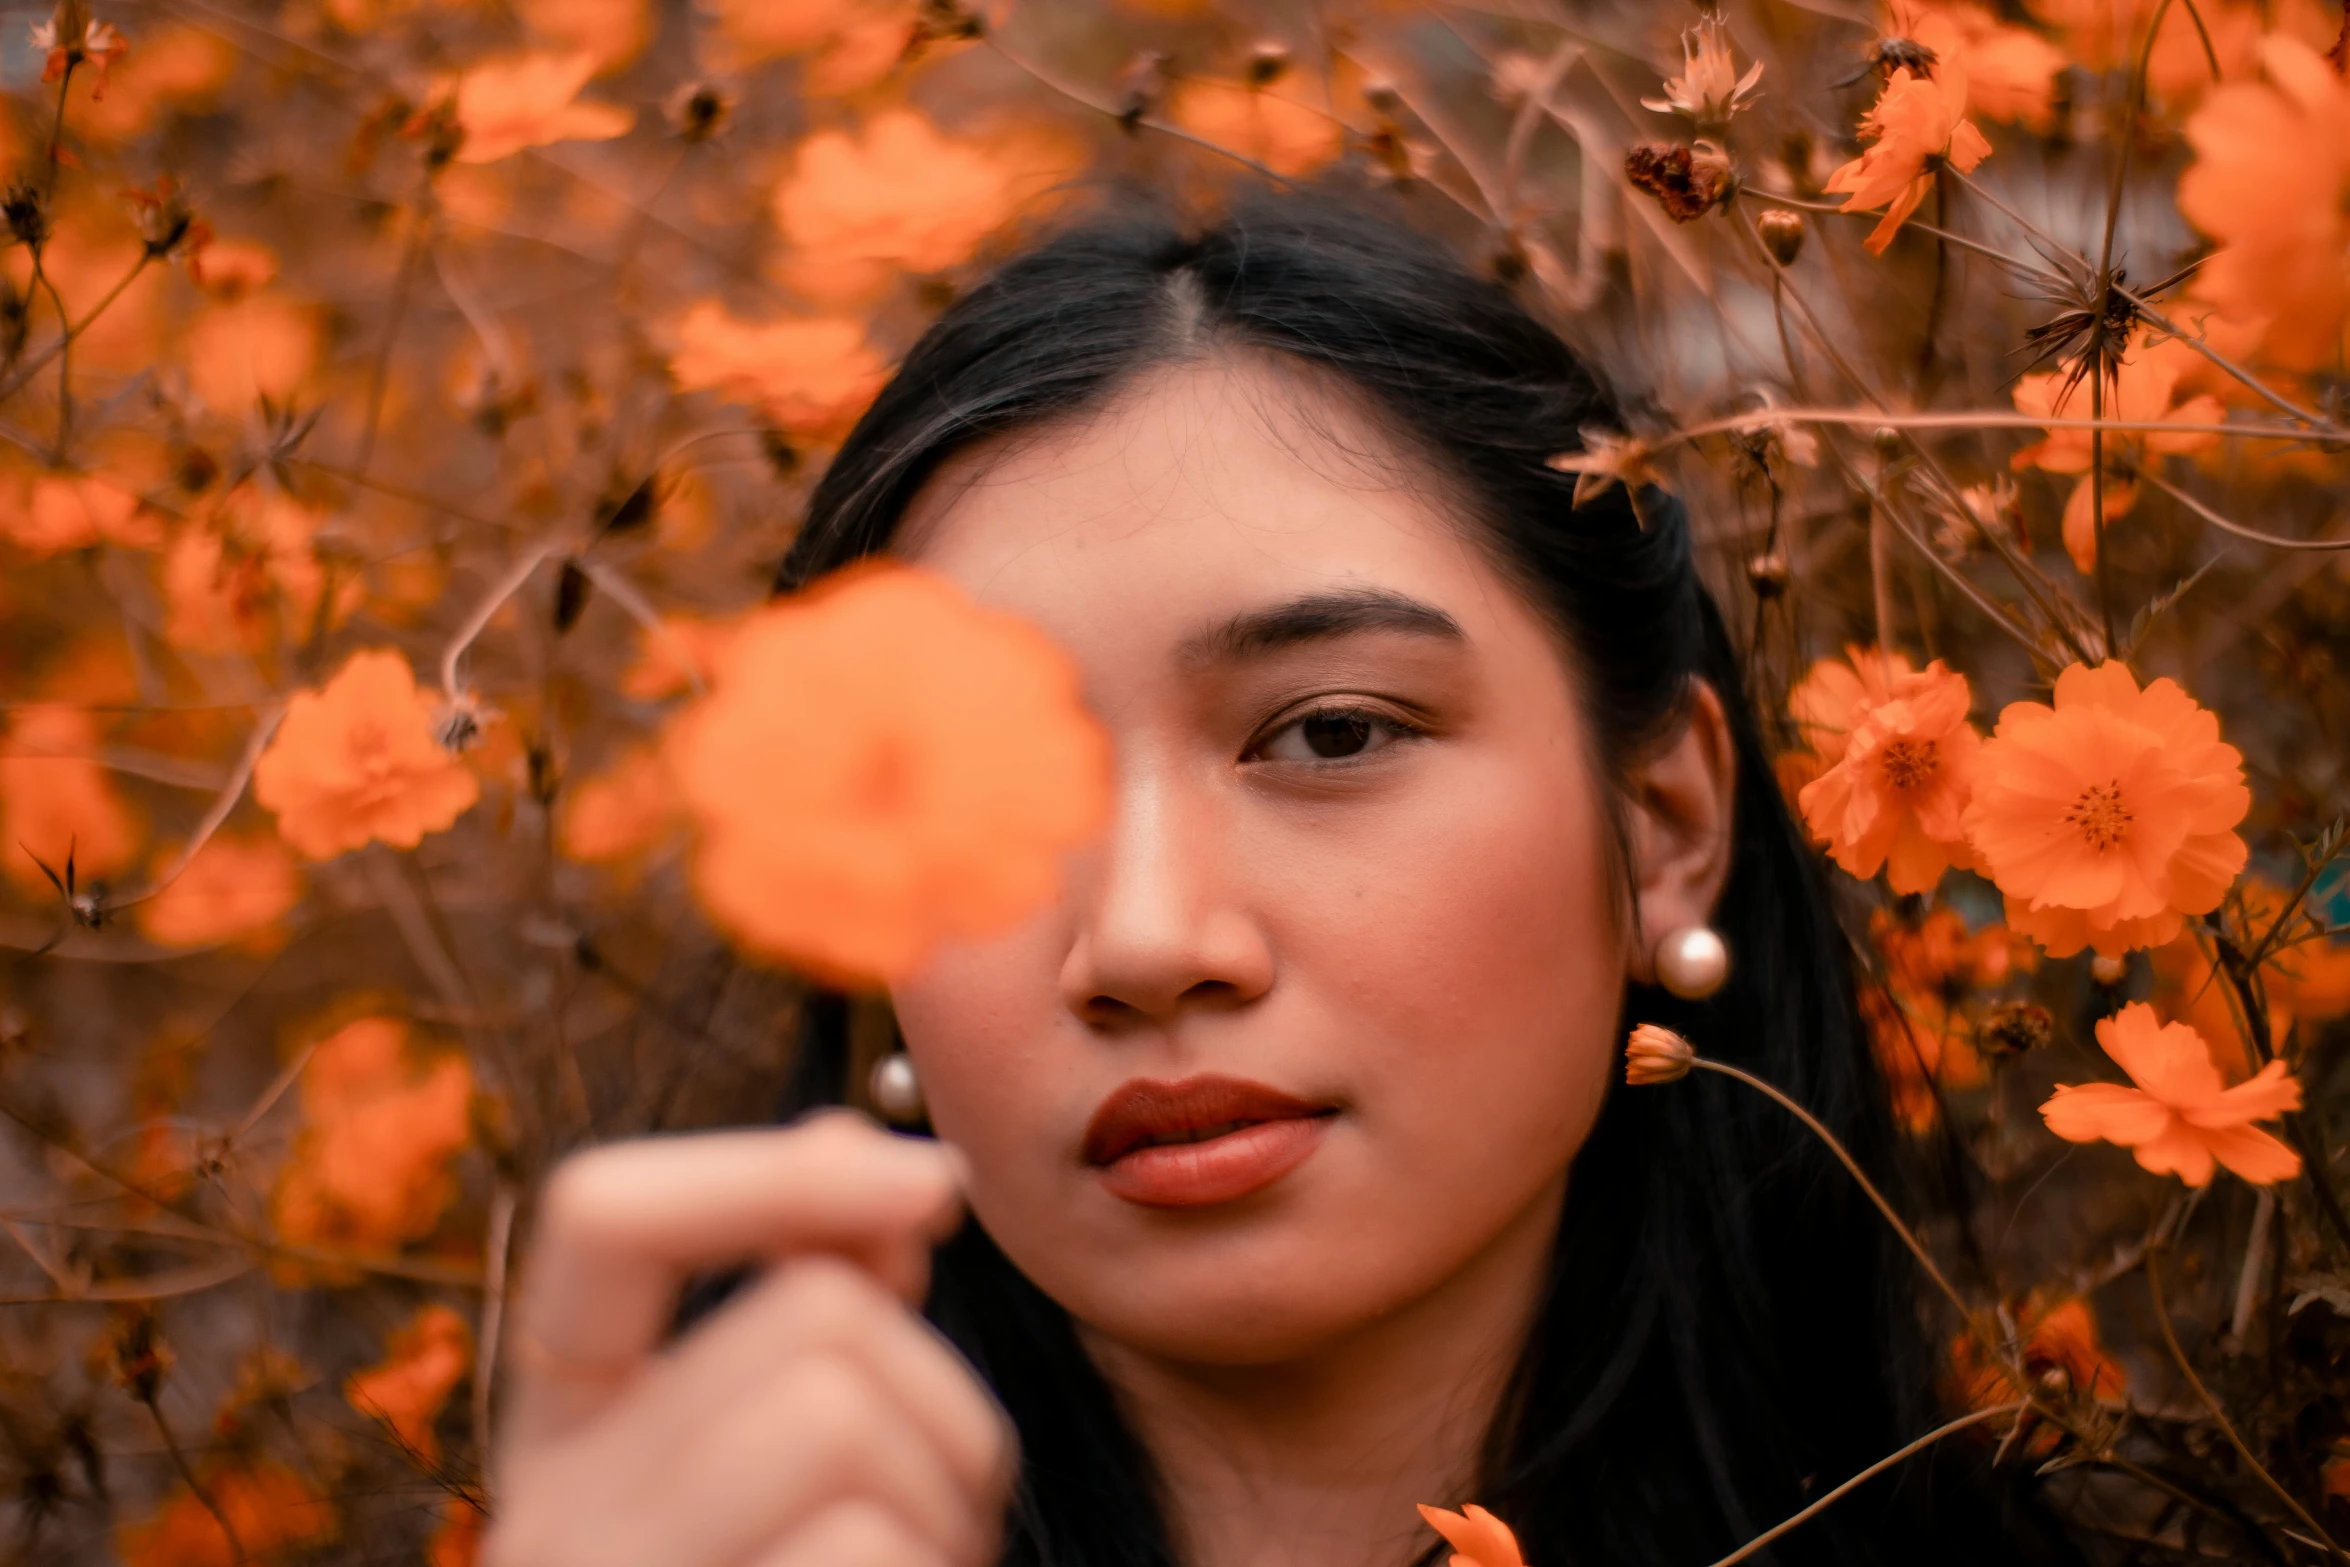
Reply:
x=1164, y=924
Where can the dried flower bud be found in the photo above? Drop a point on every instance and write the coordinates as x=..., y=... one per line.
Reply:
x=1688, y=182
x=1267, y=59
x=139, y=1357
x=700, y=111
x=1887, y=441
x=166, y=221
x=1142, y=86
x=2015, y=1029
x=2108, y=970
x=1782, y=234
x=1381, y=95
x=1655, y=1054
x=27, y=215
x=457, y=724
x=1767, y=575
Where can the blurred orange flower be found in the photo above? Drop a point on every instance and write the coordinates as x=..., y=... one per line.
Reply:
x=504, y=106
x=1916, y=119
x=2142, y=392
x=881, y=764
x=457, y=1542
x=254, y=347
x=1893, y=798
x=57, y=800
x=357, y=760
x=1478, y=1539
x=423, y=1361
x=620, y=812
x=272, y=1509
x=2110, y=815
x=74, y=511
x=855, y=42
x=614, y=32
x=661, y=667
x=175, y=66
x=234, y=890
x=812, y=377
x=2010, y=71
x=249, y=580
x=2280, y=270
x=2061, y=1338
x=2306, y=978
x=370, y=1167
x=1285, y=135
x=898, y=195
x=2180, y=1118
x=229, y=269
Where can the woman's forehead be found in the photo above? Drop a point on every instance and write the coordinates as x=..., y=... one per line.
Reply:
x=1202, y=490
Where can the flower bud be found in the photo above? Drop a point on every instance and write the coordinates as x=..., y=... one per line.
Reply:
x=1767, y=575
x=2108, y=970
x=1655, y=1054
x=1782, y=234
x=1267, y=59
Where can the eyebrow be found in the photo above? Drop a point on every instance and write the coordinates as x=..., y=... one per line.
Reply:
x=1316, y=617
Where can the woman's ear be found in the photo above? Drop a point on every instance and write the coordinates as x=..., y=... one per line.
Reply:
x=1679, y=826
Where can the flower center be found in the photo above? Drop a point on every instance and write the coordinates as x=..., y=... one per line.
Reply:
x=1909, y=764
x=2100, y=815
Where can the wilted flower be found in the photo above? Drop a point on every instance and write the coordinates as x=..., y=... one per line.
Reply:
x=358, y=760
x=881, y=764
x=1655, y=1054
x=1895, y=795
x=1478, y=1539
x=73, y=37
x=1917, y=122
x=1688, y=182
x=2180, y=1119
x=1709, y=89
x=1606, y=459
x=2109, y=816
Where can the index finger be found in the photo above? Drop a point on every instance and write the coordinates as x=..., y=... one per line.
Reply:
x=621, y=1227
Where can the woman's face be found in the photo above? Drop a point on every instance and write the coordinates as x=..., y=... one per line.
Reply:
x=1321, y=1019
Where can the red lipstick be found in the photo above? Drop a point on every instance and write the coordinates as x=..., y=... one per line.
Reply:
x=1201, y=1140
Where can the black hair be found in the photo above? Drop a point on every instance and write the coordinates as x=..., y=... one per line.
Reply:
x=1728, y=1328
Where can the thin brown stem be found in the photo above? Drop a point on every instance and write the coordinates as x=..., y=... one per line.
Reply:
x=57, y=123
x=2219, y=1416
x=379, y=374
x=2097, y=505
x=2236, y=528
x=1143, y=122
x=196, y=1487
x=1962, y=1423
x=1835, y=1146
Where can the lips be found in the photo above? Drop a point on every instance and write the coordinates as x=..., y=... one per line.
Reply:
x=1201, y=1140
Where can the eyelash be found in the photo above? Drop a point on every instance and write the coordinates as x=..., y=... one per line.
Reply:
x=1400, y=729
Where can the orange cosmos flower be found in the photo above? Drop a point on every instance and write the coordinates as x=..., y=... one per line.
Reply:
x=423, y=1361
x=1268, y=125
x=229, y=269
x=2180, y=1118
x=2109, y=816
x=2061, y=1337
x=1655, y=1054
x=613, y=31
x=811, y=378
x=1894, y=796
x=897, y=195
x=73, y=511
x=256, y=347
x=234, y=890
x=2143, y=391
x=2010, y=71
x=668, y=660
x=358, y=760
x=2283, y=269
x=1917, y=121
x=370, y=1168
x=881, y=764
x=622, y=811
x=2307, y=977
x=57, y=800
x=248, y=581
x=1829, y=702
x=272, y=1509
x=504, y=106
x=1477, y=1538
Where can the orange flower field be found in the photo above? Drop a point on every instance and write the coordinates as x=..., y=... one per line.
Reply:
x=407, y=778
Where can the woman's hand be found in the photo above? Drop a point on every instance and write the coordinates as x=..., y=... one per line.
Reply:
x=813, y=1421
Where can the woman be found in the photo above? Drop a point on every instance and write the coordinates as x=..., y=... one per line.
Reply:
x=1299, y=1190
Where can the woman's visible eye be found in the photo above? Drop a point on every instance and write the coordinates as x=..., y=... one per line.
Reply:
x=1333, y=734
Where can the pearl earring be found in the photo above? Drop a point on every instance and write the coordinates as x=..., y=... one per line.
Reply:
x=1692, y=962
x=896, y=1091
